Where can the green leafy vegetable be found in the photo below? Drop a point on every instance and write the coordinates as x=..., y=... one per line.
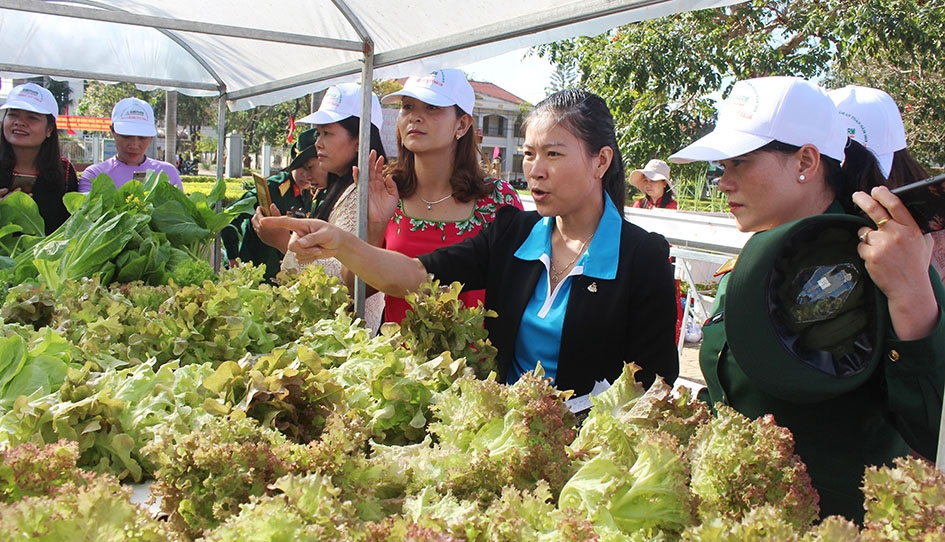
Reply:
x=491, y=435
x=740, y=464
x=641, y=493
x=100, y=510
x=140, y=231
x=905, y=501
x=438, y=322
x=203, y=477
x=43, y=496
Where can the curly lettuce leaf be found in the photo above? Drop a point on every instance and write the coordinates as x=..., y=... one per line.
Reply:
x=739, y=464
x=645, y=492
x=905, y=501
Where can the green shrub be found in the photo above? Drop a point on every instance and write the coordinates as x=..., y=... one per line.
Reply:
x=235, y=187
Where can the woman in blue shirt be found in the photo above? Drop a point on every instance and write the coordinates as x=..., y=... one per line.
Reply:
x=576, y=287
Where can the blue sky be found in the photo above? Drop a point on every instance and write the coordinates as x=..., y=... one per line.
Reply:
x=524, y=77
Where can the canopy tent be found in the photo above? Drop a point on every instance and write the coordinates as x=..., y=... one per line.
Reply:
x=263, y=52
x=268, y=51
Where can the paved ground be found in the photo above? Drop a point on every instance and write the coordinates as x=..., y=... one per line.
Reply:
x=689, y=363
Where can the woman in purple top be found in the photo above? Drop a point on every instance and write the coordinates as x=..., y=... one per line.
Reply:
x=133, y=128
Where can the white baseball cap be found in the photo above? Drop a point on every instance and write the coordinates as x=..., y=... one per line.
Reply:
x=872, y=118
x=133, y=117
x=32, y=97
x=343, y=101
x=441, y=88
x=758, y=111
x=654, y=170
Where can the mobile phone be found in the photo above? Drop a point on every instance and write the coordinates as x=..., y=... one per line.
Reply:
x=139, y=175
x=925, y=199
x=263, y=197
x=23, y=182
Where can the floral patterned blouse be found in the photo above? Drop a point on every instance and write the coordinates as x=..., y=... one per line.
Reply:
x=414, y=236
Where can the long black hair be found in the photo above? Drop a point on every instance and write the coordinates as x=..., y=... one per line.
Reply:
x=52, y=177
x=905, y=169
x=338, y=183
x=586, y=116
x=668, y=197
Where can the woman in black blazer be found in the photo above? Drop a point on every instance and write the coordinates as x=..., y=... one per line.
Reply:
x=576, y=287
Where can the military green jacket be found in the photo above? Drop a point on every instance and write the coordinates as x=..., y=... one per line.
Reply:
x=240, y=239
x=897, y=409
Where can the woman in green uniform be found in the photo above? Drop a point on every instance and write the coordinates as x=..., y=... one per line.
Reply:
x=290, y=189
x=829, y=321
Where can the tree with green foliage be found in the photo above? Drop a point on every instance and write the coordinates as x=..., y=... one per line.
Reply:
x=894, y=46
x=98, y=99
x=564, y=77
x=267, y=123
x=264, y=123
x=662, y=77
x=383, y=87
x=192, y=112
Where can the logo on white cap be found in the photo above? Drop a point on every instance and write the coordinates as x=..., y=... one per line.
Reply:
x=133, y=117
x=441, y=88
x=871, y=117
x=342, y=101
x=758, y=111
x=32, y=97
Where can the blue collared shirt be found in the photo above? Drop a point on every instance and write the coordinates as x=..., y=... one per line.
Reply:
x=539, y=334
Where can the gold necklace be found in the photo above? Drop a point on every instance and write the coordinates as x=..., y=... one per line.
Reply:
x=430, y=204
x=555, y=274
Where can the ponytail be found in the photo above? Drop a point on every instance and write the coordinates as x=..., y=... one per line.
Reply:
x=860, y=172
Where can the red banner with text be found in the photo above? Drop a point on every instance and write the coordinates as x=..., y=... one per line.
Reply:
x=89, y=124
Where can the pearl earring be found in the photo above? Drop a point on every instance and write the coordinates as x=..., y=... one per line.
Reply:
x=458, y=136
x=802, y=178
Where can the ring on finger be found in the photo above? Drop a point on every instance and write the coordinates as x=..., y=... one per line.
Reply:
x=865, y=237
x=882, y=221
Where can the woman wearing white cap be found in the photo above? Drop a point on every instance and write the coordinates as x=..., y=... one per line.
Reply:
x=442, y=195
x=575, y=286
x=336, y=149
x=780, y=143
x=872, y=118
x=133, y=129
x=29, y=153
x=290, y=190
x=654, y=181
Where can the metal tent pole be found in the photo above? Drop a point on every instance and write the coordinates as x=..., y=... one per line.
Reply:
x=364, y=155
x=221, y=128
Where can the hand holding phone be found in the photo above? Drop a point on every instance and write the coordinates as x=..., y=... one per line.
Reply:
x=263, y=197
x=925, y=200
x=23, y=182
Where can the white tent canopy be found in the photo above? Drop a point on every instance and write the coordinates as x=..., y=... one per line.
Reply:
x=265, y=52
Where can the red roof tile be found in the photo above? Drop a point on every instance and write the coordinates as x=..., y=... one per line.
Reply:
x=489, y=89
x=495, y=91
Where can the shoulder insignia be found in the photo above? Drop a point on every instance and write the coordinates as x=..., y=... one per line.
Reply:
x=726, y=267
x=285, y=187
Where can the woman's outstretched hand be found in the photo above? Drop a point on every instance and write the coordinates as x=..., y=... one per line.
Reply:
x=277, y=238
x=311, y=239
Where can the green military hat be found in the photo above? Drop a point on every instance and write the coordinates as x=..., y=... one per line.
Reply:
x=303, y=149
x=803, y=318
